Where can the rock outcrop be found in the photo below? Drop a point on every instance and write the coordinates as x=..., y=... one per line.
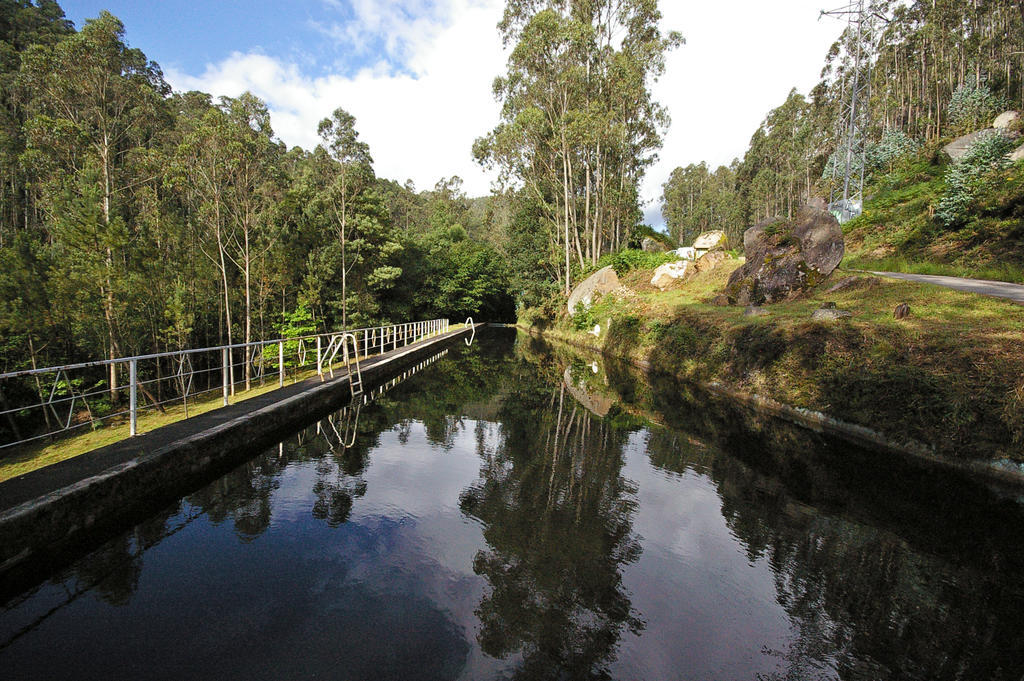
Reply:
x=1005, y=120
x=709, y=261
x=1017, y=154
x=785, y=257
x=668, y=273
x=686, y=253
x=602, y=281
x=652, y=246
x=710, y=241
x=958, y=147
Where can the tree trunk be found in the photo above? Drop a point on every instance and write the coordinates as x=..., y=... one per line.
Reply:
x=227, y=298
x=248, y=309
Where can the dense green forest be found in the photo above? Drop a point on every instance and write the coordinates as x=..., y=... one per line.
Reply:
x=134, y=219
x=941, y=68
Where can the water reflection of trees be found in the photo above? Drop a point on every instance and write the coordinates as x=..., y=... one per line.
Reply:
x=558, y=523
x=887, y=569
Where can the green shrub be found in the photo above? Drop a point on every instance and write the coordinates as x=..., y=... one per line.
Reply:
x=893, y=146
x=292, y=325
x=623, y=335
x=632, y=259
x=974, y=105
x=637, y=234
x=679, y=340
x=970, y=174
x=541, y=315
x=582, y=317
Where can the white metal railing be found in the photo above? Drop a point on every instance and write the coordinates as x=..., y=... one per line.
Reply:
x=44, y=402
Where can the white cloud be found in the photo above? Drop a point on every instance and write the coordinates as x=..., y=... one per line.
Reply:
x=740, y=60
x=420, y=121
x=427, y=95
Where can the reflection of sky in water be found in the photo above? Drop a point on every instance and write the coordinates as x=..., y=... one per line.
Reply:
x=702, y=599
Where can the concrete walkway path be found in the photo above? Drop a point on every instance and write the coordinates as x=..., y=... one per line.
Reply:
x=985, y=287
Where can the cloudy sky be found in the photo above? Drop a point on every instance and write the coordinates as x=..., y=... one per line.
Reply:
x=417, y=74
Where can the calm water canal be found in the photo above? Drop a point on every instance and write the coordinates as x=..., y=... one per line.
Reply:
x=513, y=511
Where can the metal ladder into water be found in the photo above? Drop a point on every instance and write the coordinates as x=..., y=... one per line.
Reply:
x=341, y=343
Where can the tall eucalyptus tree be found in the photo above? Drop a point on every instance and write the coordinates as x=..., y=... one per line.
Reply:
x=352, y=173
x=95, y=103
x=578, y=123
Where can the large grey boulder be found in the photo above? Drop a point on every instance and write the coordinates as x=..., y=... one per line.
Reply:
x=710, y=241
x=958, y=147
x=652, y=246
x=709, y=261
x=784, y=257
x=602, y=281
x=1005, y=120
x=669, y=273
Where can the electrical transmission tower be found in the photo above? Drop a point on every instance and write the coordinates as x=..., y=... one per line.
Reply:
x=847, y=198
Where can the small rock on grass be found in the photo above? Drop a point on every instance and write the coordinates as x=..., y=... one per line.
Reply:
x=721, y=300
x=755, y=311
x=844, y=283
x=902, y=311
x=830, y=314
x=828, y=305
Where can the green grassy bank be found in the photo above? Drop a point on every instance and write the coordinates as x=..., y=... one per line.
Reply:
x=899, y=230
x=950, y=376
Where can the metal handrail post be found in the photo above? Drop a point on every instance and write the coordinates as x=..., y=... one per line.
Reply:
x=133, y=367
x=224, y=358
x=280, y=364
x=319, y=371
